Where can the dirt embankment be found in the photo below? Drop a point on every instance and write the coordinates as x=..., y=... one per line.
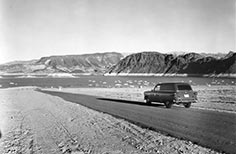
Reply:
x=33, y=122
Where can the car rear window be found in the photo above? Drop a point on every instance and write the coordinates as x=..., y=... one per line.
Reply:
x=184, y=87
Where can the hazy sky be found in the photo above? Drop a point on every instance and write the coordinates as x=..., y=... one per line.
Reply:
x=35, y=28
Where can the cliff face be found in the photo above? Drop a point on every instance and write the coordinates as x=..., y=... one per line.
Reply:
x=191, y=63
x=88, y=63
x=146, y=62
x=210, y=65
x=96, y=63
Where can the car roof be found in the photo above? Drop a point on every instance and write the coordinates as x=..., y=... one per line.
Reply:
x=174, y=83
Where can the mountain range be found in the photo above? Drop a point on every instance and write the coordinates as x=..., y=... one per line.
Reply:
x=113, y=63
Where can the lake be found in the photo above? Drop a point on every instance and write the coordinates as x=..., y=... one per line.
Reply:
x=108, y=81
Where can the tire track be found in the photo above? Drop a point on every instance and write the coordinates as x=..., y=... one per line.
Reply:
x=64, y=142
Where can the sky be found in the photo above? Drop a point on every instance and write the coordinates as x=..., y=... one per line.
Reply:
x=30, y=29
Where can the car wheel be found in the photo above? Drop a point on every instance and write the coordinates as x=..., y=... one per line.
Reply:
x=168, y=104
x=187, y=105
x=147, y=100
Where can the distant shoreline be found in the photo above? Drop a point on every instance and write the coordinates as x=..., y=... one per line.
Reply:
x=171, y=75
x=58, y=75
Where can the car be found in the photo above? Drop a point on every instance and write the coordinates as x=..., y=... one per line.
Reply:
x=171, y=93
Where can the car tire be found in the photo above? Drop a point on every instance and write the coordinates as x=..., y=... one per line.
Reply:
x=187, y=105
x=168, y=104
x=147, y=100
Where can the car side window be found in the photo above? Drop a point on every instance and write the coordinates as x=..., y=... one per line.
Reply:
x=167, y=87
x=157, y=88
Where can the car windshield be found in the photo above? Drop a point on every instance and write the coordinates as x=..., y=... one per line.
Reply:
x=184, y=87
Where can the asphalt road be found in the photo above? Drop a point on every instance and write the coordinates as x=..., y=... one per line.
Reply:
x=212, y=129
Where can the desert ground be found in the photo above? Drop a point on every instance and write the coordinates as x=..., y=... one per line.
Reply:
x=34, y=122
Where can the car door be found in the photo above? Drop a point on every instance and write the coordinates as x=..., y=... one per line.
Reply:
x=166, y=92
x=155, y=94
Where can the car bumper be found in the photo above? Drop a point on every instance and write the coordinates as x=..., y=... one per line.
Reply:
x=185, y=101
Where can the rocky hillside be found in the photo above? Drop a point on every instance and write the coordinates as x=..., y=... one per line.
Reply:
x=191, y=63
x=96, y=63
